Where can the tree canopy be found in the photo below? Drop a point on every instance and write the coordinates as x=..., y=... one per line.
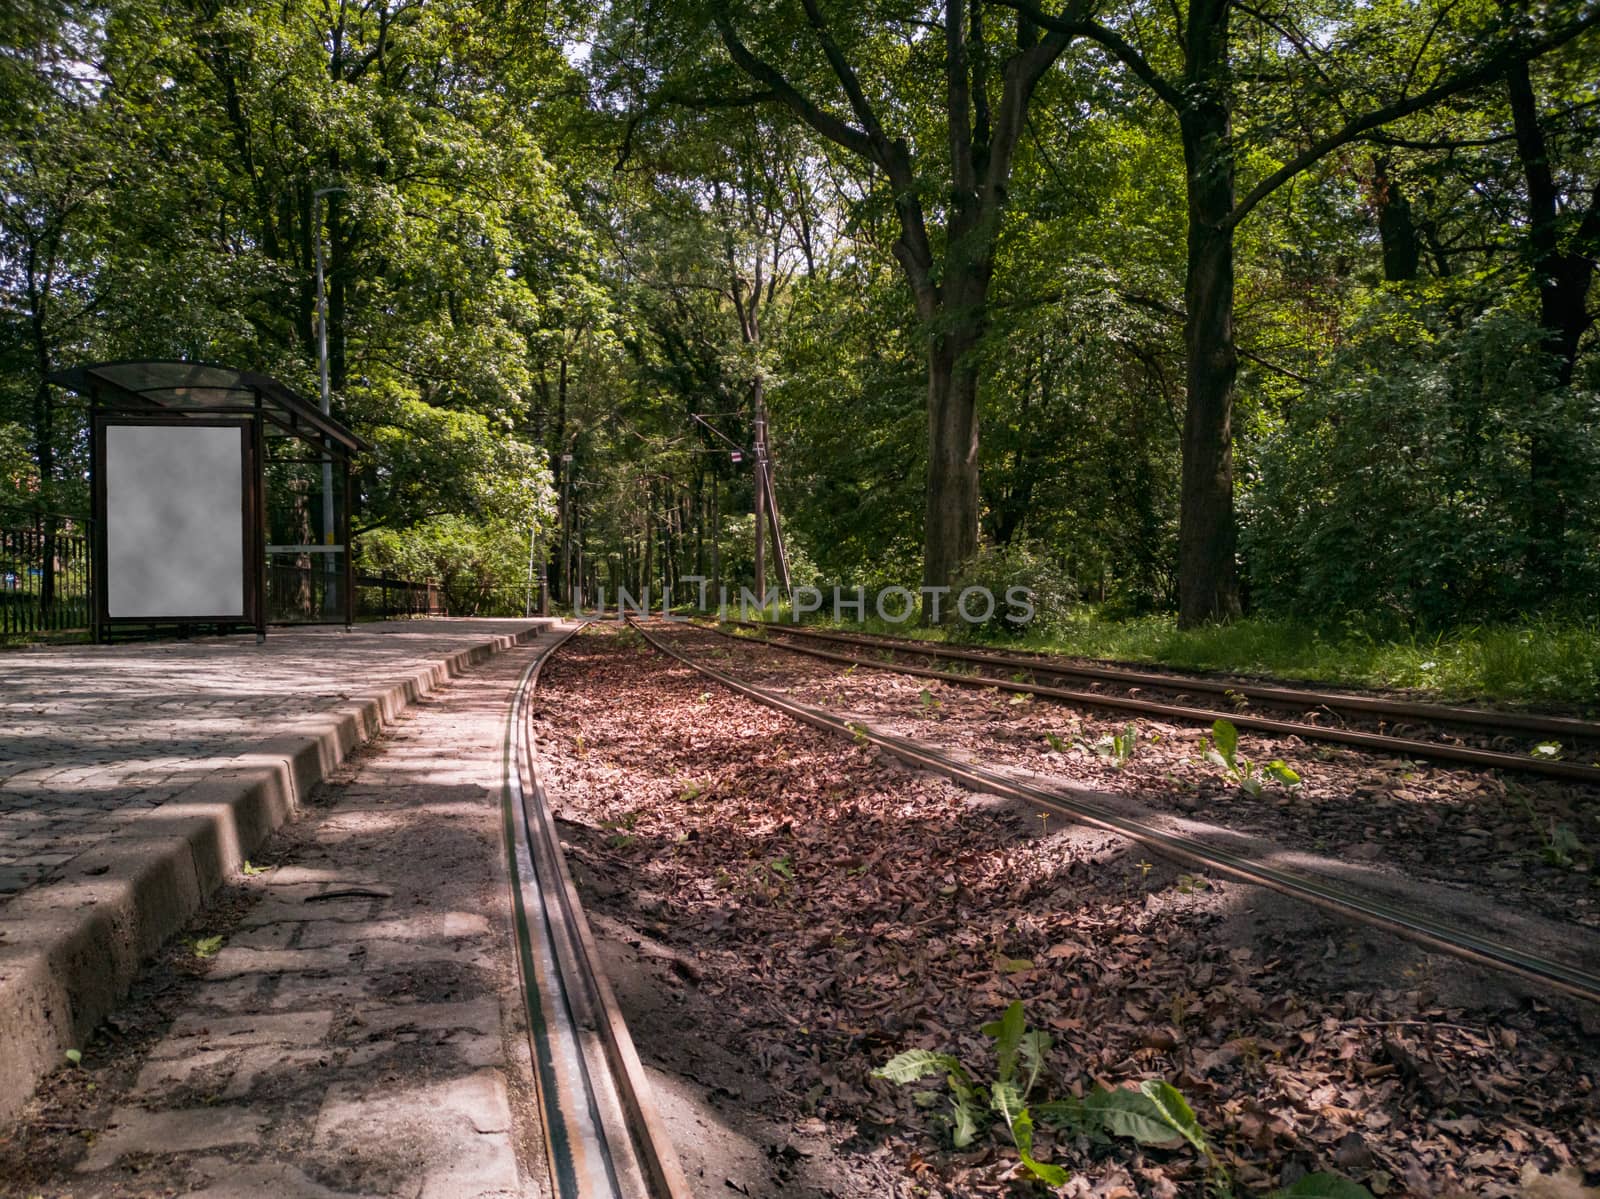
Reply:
x=1197, y=305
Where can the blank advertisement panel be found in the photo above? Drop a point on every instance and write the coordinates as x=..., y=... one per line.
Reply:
x=175, y=528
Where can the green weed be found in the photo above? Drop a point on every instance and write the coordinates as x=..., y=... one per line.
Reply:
x=1153, y=1113
x=1019, y=1055
x=1223, y=750
x=206, y=947
x=1117, y=748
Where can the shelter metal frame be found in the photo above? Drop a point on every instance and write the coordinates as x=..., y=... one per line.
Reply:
x=205, y=395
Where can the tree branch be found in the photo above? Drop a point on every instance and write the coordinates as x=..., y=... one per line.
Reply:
x=844, y=72
x=958, y=102
x=1072, y=24
x=1488, y=71
x=829, y=126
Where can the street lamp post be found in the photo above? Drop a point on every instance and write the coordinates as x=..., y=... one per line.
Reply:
x=330, y=590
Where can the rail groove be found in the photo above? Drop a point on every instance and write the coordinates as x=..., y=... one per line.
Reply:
x=1365, y=908
x=603, y=1135
x=1400, y=746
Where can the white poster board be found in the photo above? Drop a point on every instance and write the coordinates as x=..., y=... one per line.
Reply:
x=175, y=531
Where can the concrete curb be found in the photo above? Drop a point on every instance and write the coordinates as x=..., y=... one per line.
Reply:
x=77, y=943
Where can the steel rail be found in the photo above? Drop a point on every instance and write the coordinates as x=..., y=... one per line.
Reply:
x=603, y=1135
x=1365, y=908
x=1403, y=746
x=1565, y=726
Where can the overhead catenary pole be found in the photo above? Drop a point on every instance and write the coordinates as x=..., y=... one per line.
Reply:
x=766, y=499
x=761, y=496
x=533, y=543
x=330, y=592
x=566, y=527
x=716, y=540
x=767, y=503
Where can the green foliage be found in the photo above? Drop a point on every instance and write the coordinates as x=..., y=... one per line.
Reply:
x=1322, y=1186
x=482, y=567
x=1223, y=751
x=206, y=947
x=999, y=570
x=533, y=256
x=1019, y=1060
x=1152, y=1113
x=1117, y=748
x=158, y=182
x=1399, y=489
x=19, y=477
x=430, y=461
x=1541, y=660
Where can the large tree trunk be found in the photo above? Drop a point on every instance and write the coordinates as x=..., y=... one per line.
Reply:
x=950, y=531
x=1208, y=583
x=1397, y=232
x=1564, y=277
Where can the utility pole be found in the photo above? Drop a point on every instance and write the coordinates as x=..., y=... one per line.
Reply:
x=758, y=391
x=766, y=498
x=527, y=595
x=330, y=589
x=566, y=527
x=767, y=503
x=716, y=541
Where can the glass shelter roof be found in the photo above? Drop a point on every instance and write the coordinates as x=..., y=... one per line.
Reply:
x=201, y=388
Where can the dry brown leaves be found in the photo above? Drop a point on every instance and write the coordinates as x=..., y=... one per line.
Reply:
x=840, y=909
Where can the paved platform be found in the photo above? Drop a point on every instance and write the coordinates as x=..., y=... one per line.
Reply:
x=134, y=779
x=360, y=1031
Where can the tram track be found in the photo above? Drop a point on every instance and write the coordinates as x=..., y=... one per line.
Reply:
x=780, y=636
x=1439, y=934
x=604, y=1136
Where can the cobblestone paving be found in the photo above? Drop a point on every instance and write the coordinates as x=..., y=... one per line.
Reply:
x=92, y=736
x=360, y=1030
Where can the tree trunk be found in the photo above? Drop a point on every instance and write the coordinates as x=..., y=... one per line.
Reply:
x=950, y=530
x=1563, y=278
x=555, y=445
x=1208, y=584
x=44, y=436
x=1397, y=232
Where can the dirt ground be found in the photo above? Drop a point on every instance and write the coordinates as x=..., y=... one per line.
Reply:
x=789, y=911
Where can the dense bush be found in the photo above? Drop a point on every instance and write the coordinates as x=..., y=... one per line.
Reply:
x=1001, y=568
x=481, y=567
x=1398, y=490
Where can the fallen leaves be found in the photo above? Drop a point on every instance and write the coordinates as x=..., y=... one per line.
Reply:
x=903, y=915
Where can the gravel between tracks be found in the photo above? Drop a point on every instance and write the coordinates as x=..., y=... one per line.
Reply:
x=811, y=909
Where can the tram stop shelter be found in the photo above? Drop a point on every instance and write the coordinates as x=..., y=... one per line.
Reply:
x=220, y=498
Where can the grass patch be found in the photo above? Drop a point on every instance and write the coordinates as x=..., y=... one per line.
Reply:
x=1540, y=662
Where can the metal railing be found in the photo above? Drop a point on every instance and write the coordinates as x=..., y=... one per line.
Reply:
x=382, y=598
x=307, y=593
x=44, y=574
x=45, y=584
